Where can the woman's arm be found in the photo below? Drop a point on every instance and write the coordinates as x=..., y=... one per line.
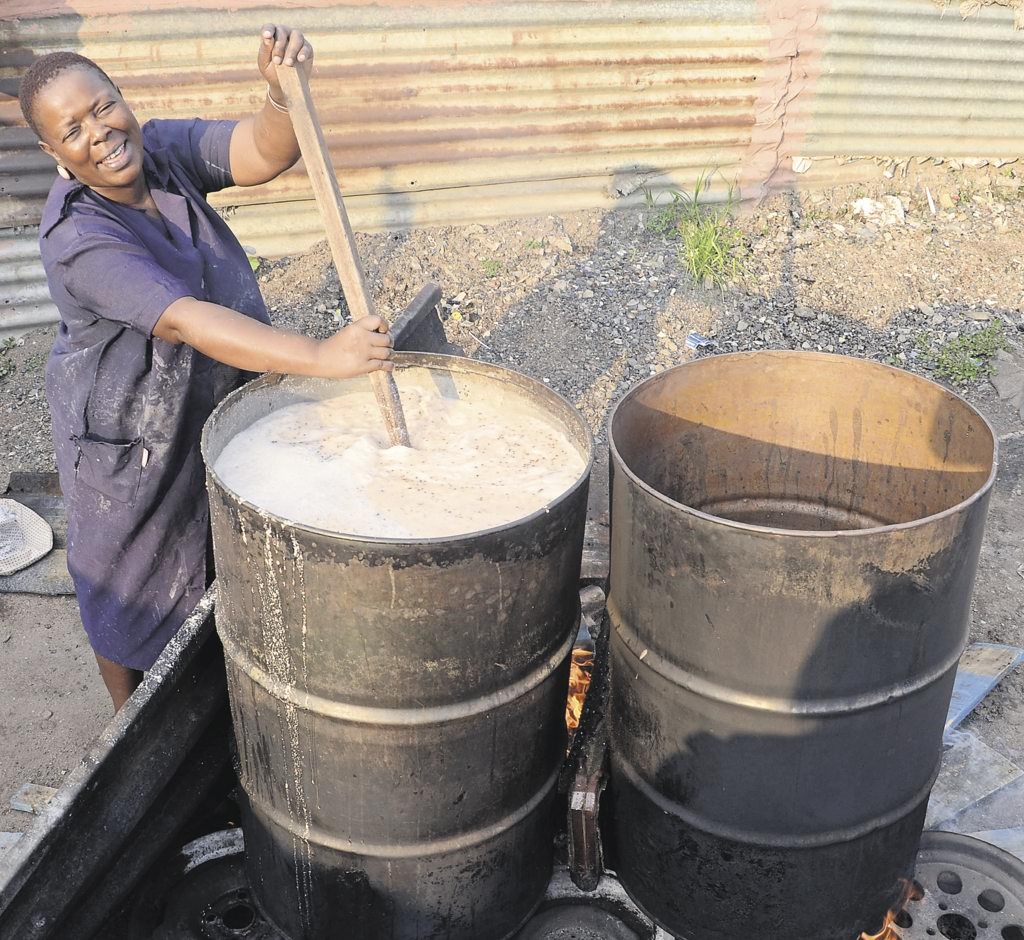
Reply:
x=237, y=340
x=263, y=146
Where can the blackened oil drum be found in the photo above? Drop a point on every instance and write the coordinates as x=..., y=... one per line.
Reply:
x=794, y=544
x=398, y=704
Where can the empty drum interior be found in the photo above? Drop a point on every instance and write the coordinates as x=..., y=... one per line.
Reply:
x=804, y=441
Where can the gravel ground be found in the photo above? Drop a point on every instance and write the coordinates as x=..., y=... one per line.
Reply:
x=591, y=303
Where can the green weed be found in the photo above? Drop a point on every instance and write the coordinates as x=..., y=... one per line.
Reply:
x=814, y=212
x=533, y=243
x=965, y=358
x=711, y=245
x=665, y=220
x=491, y=267
x=7, y=366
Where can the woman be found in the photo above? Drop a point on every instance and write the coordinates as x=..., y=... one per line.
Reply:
x=159, y=311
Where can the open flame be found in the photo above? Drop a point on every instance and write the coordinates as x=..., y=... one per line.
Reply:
x=888, y=931
x=579, y=682
x=912, y=891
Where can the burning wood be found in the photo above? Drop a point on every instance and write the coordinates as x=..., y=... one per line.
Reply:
x=912, y=891
x=579, y=682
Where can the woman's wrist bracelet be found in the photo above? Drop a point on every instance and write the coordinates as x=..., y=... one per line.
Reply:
x=274, y=104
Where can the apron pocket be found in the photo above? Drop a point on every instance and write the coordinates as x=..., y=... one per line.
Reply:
x=112, y=468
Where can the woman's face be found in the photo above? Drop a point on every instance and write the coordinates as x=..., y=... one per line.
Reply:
x=86, y=126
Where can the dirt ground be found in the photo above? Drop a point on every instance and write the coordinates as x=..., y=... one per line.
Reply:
x=54, y=702
x=591, y=303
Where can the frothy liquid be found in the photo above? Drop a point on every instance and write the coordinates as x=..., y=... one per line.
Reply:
x=473, y=464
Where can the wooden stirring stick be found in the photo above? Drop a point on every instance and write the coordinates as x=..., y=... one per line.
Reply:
x=295, y=85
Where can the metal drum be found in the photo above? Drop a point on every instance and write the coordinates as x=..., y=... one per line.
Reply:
x=794, y=543
x=398, y=704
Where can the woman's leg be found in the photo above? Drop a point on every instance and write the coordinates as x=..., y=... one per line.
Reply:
x=120, y=680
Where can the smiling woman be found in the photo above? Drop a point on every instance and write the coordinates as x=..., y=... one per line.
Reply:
x=64, y=118
x=160, y=318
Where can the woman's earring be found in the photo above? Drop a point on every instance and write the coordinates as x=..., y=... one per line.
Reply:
x=63, y=173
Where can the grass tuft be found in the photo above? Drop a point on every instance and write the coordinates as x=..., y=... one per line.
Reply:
x=711, y=246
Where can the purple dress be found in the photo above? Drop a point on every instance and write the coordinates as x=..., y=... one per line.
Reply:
x=128, y=408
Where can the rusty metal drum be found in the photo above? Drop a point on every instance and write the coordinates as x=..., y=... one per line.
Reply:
x=794, y=543
x=398, y=704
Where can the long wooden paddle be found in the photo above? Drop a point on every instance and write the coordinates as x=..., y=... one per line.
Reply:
x=310, y=136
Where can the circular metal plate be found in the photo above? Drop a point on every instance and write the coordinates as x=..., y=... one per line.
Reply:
x=606, y=913
x=971, y=891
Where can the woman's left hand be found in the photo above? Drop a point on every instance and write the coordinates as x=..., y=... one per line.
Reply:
x=280, y=45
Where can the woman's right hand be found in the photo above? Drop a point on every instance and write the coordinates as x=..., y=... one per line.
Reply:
x=359, y=348
x=240, y=341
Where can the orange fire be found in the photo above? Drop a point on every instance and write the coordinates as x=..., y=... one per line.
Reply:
x=579, y=681
x=912, y=891
x=887, y=932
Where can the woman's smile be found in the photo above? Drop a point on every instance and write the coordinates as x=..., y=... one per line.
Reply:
x=119, y=157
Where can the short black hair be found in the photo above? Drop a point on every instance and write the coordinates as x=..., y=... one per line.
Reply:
x=43, y=71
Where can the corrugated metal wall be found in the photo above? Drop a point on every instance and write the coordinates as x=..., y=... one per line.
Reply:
x=449, y=112
x=902, y=79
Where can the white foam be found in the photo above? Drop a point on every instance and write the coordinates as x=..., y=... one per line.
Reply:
x=475, y=462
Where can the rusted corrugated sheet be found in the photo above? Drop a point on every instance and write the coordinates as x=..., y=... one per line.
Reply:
x=24, y=299
x=424, y=99
x=434, y=112
x=883, y=78
x=446, y=112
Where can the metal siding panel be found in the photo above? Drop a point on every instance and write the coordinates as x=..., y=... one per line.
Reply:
x=904, y=80
x=420, y=99
x=24, y=299
x=441, y=112
x=434, y=113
